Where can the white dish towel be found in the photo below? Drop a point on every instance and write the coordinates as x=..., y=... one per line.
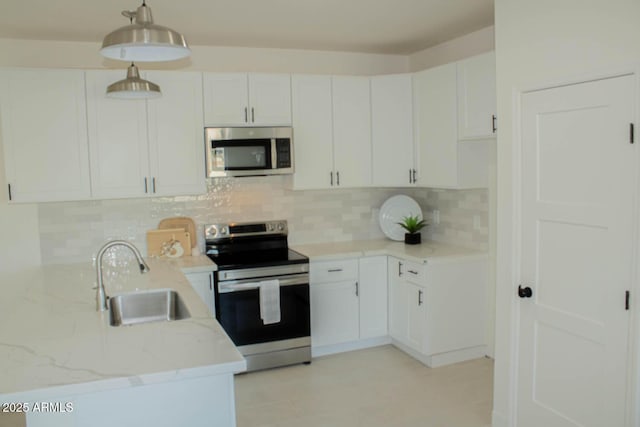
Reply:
x=270, y=301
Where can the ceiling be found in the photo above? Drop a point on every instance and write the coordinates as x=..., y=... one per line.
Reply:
x=372, y=26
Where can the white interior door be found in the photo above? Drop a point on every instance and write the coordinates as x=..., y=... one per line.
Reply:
x=578, y=171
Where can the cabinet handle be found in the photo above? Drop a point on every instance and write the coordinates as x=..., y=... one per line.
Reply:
x=9, y=185
x=399, y=269
x=246, y=115
x=338, y=178
x=420, y=297
x=414, y=176
x=210, y=282
x=493, y=123
x=331, y=175
x=357, y=289
x=334, y=270
x=413, y=272
x=410, y=176
x=145, y=185
x=153, y=184
x=253, y=115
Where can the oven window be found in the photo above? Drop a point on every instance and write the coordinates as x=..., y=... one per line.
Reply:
x=239, y=315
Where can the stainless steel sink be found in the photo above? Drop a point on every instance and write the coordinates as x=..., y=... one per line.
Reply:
x=146, y=306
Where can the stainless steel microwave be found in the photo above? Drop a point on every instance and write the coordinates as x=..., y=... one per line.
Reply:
x=249, y=151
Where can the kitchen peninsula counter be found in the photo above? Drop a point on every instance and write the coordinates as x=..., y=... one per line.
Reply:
x=55, y=345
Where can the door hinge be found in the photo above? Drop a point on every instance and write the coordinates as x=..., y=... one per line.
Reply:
x=627, y=297
x=632, y=133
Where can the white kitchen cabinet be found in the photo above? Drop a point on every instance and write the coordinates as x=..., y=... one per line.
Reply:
x=348, y=303
x=176, y=145
x=202, y=283
x=443, y=160
x=312, y=131
x=334, y=302
x=476, y=82
x=437, y=310
x=392, y=131
x=240, y=99
x=334, y=313
x=44, y=133
x=372, y=292
x=406, y=305
x=351, y=131
x=146, y=148
x=332, y=131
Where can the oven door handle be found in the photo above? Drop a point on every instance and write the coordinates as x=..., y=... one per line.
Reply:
x=246, y=285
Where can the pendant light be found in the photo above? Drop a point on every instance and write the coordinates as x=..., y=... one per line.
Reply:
x=133, y=87
x=144, y=41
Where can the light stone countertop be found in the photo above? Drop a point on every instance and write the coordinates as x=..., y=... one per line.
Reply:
x=53, y=342
x=427, y=252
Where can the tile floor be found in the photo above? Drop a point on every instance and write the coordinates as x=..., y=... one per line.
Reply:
x=381, y=386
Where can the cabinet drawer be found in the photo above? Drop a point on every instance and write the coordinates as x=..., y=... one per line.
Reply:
x=411, y=271
x=333, y=271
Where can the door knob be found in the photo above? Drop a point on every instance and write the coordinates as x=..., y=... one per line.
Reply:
x=525, y=292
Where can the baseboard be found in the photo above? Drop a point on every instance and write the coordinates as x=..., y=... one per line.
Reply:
x=499, y=420
x=443, y=359
x=325, y=350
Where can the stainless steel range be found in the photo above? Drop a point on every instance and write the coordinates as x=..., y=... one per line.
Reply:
x=254, y=259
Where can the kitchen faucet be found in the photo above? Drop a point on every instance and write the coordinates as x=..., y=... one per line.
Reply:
x=101, y=296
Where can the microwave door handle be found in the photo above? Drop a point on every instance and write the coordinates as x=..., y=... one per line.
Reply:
x=274, y=154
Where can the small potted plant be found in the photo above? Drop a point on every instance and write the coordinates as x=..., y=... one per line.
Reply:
x=412, y=224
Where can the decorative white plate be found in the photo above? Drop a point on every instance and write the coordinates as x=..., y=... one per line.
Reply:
x=392, y=212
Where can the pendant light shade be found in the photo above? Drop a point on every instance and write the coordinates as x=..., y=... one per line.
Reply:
x=133, y=87
x=144, y=41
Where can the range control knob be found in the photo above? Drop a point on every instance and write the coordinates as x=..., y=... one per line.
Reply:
x=212, y=231
x=280, y=226
x=224, y=231
x=270, y=227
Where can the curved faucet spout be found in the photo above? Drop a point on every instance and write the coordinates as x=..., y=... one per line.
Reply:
x=101, y=296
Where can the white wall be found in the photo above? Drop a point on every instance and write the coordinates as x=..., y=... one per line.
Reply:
x=540, y=42
x=475, y=43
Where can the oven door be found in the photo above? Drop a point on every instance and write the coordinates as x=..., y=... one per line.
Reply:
x=238, y=310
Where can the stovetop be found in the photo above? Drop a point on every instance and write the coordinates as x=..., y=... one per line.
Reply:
x=257, y=259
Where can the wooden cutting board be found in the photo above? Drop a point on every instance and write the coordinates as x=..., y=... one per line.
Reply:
x=157, y=239
x=184, y=222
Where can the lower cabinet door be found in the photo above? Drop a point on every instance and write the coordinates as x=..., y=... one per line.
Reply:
x=334, y=313
x=416, y=316
x=373, y=297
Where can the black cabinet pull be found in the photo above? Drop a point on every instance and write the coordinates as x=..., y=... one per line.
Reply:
x=145, y=185
x=10, y=196
x=153, y=184
x=331, y=175
x=410, y=182
x=525, y=292
x=493, y=123
x=338, y=178
x=210, y=282
x=627, y=297
x=334, y=270
x=357, y=289
x=253, y=115
x=399, y=269
x=414, y=176
x=420, y=297
x=413, y=272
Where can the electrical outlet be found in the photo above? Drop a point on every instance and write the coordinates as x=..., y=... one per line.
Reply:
x=435, y=215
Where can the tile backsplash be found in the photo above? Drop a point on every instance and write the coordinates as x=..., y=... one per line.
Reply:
x=74, y=231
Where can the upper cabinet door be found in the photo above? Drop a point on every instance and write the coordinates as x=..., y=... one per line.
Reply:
x=226, y=99
x=269, y=100
x=176, y=143
x=312, y=132
x=352, y=131
x=44, y=131
x=436, y=126
x=477, y=97
x=117, y=139
x=392, y=130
